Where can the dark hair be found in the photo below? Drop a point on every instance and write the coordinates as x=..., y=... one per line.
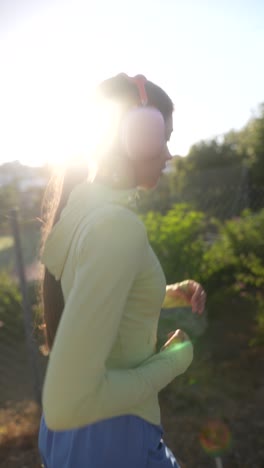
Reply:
x=54, y=200
x=120, y=90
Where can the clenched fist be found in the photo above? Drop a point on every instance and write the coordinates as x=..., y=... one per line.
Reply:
x=175, y=337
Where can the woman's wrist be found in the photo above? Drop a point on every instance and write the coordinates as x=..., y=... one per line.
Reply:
x=178, y=287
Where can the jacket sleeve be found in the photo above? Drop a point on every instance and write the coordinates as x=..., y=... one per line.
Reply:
x=78, y=388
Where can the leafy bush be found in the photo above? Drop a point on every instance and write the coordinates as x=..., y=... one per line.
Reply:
x=230, y=262
x=234, y=267
x=259, y=320
x=236, y=258
x=228, y=258
x=11, y=313
x=177, y=239
x=11, y=317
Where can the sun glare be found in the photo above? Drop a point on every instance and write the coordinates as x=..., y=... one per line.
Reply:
x=103, y=126
x=48, y=114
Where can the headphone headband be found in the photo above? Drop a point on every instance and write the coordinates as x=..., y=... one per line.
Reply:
x=139, y=81
x=143, y=126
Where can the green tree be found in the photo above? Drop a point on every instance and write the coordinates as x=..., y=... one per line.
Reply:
x=236, y=258
x=224, y=175
x=211, y=179
x=158, y=200
x=249, y=145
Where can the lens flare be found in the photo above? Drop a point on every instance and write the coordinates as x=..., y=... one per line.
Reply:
x=215, y=438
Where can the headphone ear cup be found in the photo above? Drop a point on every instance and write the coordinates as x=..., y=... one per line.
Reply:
x=143, y=133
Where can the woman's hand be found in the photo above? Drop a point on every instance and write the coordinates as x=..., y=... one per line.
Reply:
x=175, y=337
x=191, y=292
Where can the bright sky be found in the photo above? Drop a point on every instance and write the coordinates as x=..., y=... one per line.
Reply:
x=207, y=55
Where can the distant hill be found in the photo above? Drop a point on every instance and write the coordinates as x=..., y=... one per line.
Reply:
x=24, y=177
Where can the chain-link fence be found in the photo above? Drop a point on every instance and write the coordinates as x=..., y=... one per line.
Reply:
x=220, y=193
x=22, y=360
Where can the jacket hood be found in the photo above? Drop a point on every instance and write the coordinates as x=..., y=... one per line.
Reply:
x=82, y=200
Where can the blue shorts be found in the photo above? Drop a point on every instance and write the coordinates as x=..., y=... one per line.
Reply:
x=121, y=442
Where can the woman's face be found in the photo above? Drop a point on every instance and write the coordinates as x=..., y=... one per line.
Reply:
x=148, y=171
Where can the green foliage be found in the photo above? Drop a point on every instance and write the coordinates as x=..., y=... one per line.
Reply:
x=11, y=313
x=211, y=154
x=234, y=266
x=259, y=336
x=177, y=239
x=6, y=253
x=225, y=175
x=9, y=198
x=226, y=257
x=211, y=182
x=30, y=238
x=156, y=200
x=236, y=258
x=11, y=317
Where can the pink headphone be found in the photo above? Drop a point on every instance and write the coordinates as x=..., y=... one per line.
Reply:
x=143, y=128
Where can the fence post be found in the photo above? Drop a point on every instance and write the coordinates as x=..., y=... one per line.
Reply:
x=27, y=310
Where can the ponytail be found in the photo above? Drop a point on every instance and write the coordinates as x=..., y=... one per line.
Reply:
x=55, y=199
